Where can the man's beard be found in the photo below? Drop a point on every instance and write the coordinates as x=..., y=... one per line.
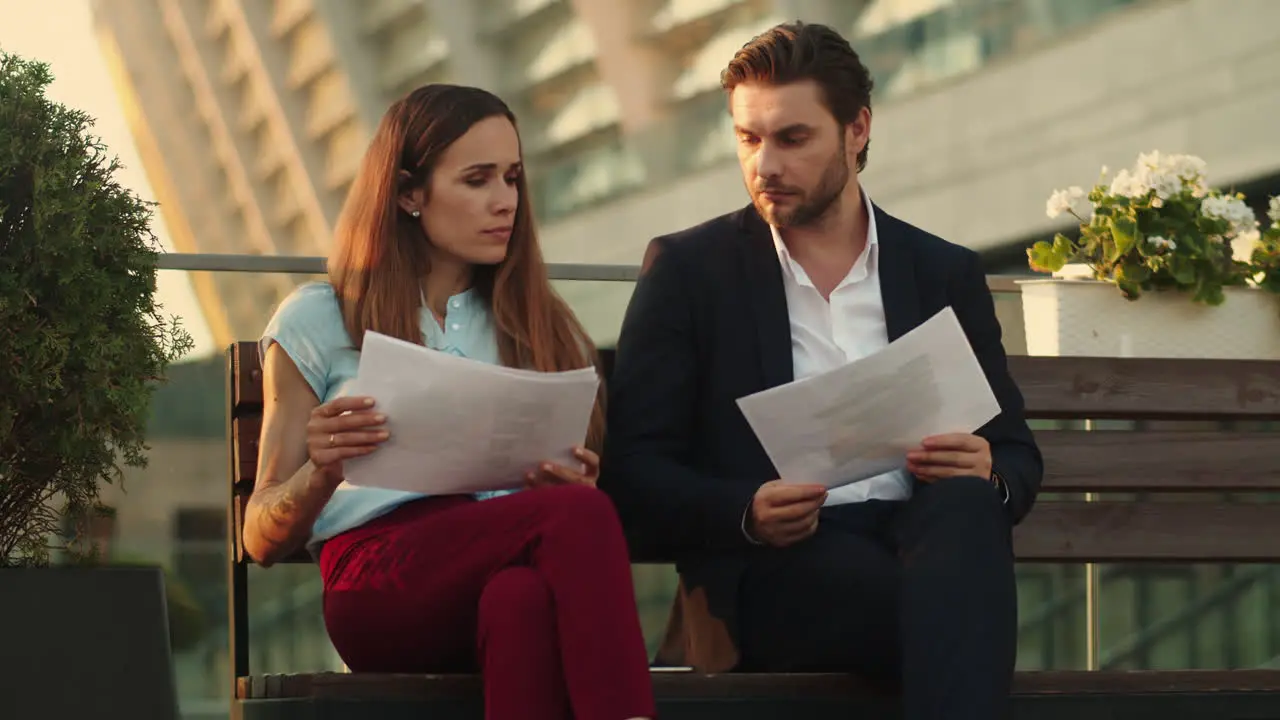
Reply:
x=813, y=204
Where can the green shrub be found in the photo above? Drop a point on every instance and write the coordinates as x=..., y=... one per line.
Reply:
x=84, y=342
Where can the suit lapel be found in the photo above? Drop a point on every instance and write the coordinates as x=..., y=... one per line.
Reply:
x=768, y=299
x=898, y=288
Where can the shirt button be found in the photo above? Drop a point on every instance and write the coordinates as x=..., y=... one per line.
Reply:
x=455, y=326
x=455, y=303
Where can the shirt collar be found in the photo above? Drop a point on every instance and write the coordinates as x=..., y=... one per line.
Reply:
x=861, y=267
x=464, y=301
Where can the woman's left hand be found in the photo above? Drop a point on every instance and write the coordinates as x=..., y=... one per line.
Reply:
x=549, y=473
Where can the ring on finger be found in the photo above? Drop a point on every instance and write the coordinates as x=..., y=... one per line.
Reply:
x=332, y=440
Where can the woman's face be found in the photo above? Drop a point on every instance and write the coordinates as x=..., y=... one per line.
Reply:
x=471, y=209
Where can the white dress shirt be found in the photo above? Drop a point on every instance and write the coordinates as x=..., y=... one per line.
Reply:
x=826, y=335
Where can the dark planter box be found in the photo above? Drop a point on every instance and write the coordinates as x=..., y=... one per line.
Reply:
x=85, y=643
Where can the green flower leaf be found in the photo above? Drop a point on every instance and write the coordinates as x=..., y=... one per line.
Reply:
x=1133, y=271
x=1042, y=258
x=1050, y=258
x=1124, y=230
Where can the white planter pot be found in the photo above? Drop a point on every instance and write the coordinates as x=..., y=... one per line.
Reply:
x=1091, y=318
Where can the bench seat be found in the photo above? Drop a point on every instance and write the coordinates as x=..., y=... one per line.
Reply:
x=1038, y=695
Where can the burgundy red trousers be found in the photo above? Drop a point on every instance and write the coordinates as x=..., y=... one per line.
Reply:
x=533, y=588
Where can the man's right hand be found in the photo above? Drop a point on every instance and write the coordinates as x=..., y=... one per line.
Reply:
x=783, y=513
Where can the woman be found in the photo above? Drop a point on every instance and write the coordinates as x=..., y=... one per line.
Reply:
x=436, y=245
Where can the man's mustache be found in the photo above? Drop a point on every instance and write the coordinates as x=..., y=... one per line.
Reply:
x=781, y=189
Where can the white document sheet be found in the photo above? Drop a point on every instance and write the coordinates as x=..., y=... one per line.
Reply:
x=860, y=420
x=463, y=426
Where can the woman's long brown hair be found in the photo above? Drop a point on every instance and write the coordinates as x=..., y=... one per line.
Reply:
x=379, y=255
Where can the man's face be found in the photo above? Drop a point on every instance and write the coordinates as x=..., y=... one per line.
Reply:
x=795, y=157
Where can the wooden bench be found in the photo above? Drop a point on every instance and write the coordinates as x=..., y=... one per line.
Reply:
x=1197, y=465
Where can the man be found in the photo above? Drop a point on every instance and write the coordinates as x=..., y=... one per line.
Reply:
x=906, y=578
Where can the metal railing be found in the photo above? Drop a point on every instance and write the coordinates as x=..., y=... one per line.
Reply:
x=316, y=265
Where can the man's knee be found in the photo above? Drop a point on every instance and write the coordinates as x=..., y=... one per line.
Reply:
x=958, y=509
x=842, y=568
x=827, y=604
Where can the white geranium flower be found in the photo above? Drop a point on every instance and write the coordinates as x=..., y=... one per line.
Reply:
x=1166, y=185
x=1162, y=243
x=1188, y=167
x=1169, y=175
x=1232, y=209
x=1073, y=200
x=1148, y=160
x=1126, y=184
x=1242, y=246
x=1273, y=210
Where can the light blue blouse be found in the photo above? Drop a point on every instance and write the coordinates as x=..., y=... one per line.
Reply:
x=308, y=326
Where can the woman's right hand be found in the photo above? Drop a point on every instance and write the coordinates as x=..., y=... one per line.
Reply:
x=340, y=429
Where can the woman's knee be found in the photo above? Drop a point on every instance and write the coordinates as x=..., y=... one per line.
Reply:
x=515, y=595
x=578, y=503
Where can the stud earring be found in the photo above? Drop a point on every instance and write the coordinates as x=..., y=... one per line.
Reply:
x=416, y=213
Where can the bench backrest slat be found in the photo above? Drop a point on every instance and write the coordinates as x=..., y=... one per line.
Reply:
x=1183, y=532
x=1054, y=388
x=246, y=375
x=1159, y=461
x=1148, y=388
x=1180, y=460
x=1075, y=460
x=244, y=387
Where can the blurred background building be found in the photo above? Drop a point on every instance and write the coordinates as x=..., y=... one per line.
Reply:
x=251, y=117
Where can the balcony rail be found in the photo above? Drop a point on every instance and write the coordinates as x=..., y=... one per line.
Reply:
x=315, y=265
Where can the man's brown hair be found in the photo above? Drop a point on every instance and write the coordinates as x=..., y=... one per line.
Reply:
x=798, y=51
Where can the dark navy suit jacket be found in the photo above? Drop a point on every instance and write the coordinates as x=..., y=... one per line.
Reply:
x=706, y=325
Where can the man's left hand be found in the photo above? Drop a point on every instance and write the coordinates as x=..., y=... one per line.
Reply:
x=954, y=455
